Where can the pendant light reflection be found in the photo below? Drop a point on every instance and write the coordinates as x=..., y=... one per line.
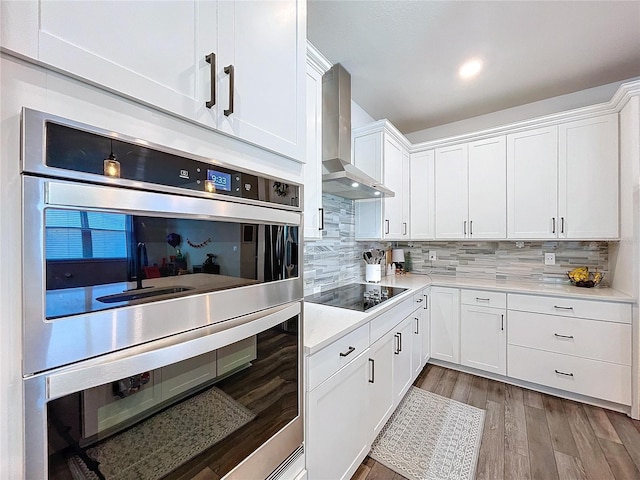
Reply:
x=111, y=165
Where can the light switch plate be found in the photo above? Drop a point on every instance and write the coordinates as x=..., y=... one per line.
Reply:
x=432, y=255
x=549, y=258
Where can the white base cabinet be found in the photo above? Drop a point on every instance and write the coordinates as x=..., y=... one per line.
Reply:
x=402, y=356
x=445, y=324
x=483, y=339
x=337, y=436
x=381, y=392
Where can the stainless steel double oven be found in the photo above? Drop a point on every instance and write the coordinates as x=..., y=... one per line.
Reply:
x=161, y=310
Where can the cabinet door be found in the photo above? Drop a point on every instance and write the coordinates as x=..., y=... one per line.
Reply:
x=394, y=223
x=483, y=340
x=125, y=48
x=416, y=343
x=532, y=184
x=265, y=43
x=488, y=188
x=451, y=192
x=369, y=219
x=380, y=383
x=367, y=154
x=588, y=178
x=445, y=324
x=313, y=212
x=402, y=371
x=422, y=195
x=426, y=327
x=337, y=422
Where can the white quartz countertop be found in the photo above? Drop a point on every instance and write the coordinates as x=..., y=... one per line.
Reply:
x=324, y=324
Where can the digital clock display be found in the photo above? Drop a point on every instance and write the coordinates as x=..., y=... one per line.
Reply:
x=220, y=180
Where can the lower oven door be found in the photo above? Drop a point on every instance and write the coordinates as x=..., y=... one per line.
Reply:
x=220, y=401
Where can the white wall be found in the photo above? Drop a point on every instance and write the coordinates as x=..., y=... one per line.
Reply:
x=359, y=117
x=548, y=106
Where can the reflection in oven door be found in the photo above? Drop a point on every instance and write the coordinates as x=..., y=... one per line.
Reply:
x=174, y=420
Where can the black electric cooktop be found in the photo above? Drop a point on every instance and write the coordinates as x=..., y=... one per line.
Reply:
x=355, y=296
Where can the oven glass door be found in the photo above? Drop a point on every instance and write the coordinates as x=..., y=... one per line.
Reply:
x=107, y=267
x=203, y=414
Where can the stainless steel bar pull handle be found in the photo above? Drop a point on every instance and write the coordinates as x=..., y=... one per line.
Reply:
x=481, y=299
x=426, y=302
x=211, y=60
x=386, y=227
x=464, y=227
x=231, y=72
x=404, y=228
x=561, y=224
x=372, y=377
x=400, y=341
x=417, y=326
x=321, y=227
x=396, y=341
x=348, y=352
x=562, y=373
x=562, y=336
x=471, y=227
x=562, y=308
x=553, y=225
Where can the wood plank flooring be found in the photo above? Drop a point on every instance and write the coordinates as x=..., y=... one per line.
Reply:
x=533, y=436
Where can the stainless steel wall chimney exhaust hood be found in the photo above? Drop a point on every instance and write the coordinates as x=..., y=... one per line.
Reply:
x=341, y=177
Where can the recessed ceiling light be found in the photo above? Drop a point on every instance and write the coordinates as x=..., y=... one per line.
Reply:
x=470, y=68
x=376, y=193
x=355, y=184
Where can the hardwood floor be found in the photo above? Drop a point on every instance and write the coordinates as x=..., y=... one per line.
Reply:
x=530, y=435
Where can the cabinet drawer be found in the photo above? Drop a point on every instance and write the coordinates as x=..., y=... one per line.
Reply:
x=420, y=300
x=594, y=339
x=484, y=299
x=607, y=381
x=572, y=307
x=332, y=358
x=389, y=319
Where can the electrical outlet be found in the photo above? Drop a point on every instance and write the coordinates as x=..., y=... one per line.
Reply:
x=549, y=258
x=432, y=255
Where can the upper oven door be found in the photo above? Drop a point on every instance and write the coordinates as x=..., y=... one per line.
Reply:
x=107, y=267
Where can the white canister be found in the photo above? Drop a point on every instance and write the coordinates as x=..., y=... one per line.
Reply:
x=373, y=272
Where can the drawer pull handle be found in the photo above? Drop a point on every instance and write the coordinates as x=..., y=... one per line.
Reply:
x=419, y=300
x=563, y=336
x=426, y=302
x=482, y=299
x=396, y=344
x=417, y=326
x=562, y=373
x=502, y=322
x=372, y=379
x=562, y=308
x=350, y=351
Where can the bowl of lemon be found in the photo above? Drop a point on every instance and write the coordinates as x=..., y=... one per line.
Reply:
x=582, y=277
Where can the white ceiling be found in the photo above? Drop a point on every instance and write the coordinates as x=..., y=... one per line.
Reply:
x=404, y=55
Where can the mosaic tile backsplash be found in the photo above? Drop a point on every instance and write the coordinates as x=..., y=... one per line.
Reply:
x=337, y=258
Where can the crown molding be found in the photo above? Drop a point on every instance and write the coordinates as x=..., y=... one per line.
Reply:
x=316, y=59
x=625, y=92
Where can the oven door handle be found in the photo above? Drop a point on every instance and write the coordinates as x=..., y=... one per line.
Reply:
x=159, y=353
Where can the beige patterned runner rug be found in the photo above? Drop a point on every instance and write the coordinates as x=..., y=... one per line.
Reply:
x=430, y=437
x=158, y=445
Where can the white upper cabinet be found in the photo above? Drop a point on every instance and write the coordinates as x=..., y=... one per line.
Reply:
x=313, y=211
x=262, y=45
x=563, y=181
x=381, y=154
x=470, y=186
x=452, y=206
x=422, y=197
x=487, y=171
x=532, y=180
x=180, y=57
x=588, y=178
